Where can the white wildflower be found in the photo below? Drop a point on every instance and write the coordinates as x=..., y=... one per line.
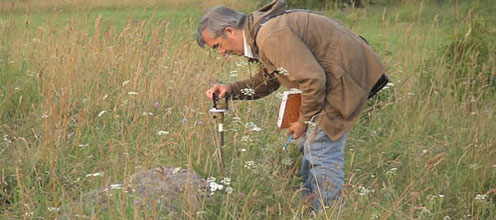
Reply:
x=473, y=113
x=160, y=133
x=101, y=113
x=447, y=217
x=105, y=97
x=215, y=186
x=125, y=82
x=375, y=215
x=411, y=94
x=474, y=166
x=242, y=149
x=211, y=179
x=53, y=209
x=83, y=145
x=147, y=113
x=480, y=197
x=246, y=138
x=424, y=152
x=234, y=73
x=248, y=92
x=116, y=186
x=94, y=174
x=44, y=116
x=132, y=93
x=177, y=170
x=29, y=214
x=256, y=128
x=282, y=71
x=226, y=181
x=229, y=189
x=364, y=191
x=236, y=119
x=250, y=164
x=392, y=171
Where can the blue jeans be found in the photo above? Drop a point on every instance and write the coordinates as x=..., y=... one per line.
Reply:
x=322, y=167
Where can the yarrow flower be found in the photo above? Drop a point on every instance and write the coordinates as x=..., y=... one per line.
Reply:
x=480, y=197
x=364, y=191
x=215, y=186
x=94, y=174
x=101, y=113
x=53, y=209
x=160, y=133
x=474, y=166
x=211, y=179
x=250, y=164
x=391, y=171
x=226, y=181
x=246, y=138
x=229, y=189
x=282, y=71
x=248, y=92
x=252, y=126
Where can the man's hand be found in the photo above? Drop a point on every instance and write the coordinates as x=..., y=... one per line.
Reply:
x=221, y=90
x=297, y=129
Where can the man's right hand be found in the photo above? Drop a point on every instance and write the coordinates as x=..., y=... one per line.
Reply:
x=221, y=90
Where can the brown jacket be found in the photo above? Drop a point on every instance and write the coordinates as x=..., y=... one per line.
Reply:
x=332, y=66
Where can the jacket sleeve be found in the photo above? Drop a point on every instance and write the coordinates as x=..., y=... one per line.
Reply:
x=288, y=54
x=258, y=86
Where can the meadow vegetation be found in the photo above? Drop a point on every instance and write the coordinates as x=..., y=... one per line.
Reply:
x=115, y=87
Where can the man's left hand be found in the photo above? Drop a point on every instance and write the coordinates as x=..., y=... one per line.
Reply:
x=297, y=129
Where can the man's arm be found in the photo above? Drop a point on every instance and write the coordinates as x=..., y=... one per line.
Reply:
x=258, y=86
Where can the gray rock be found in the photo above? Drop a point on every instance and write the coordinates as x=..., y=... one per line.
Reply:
x=163, y=190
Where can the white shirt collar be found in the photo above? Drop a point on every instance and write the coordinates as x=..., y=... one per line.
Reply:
x=247, y=48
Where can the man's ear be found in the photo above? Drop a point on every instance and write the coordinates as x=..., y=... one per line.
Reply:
x=229, y=31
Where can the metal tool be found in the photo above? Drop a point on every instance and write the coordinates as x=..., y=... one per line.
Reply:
x=287, y=142
x=218, y=111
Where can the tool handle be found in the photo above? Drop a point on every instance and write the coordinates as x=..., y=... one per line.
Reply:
x=289, y=141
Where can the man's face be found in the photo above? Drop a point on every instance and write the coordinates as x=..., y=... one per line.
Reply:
x=231, y=42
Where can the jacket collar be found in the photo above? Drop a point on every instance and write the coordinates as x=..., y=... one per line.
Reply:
x=254, y=19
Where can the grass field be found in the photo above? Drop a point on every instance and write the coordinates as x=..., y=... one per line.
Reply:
x=115, y=87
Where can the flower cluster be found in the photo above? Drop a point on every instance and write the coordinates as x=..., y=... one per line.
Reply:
x=95, y=174
x=252, y=126
x=282, y=71
x=250, y=164
x=214, y=186
x=364, y=191
x=248, y=91
x=480, y=197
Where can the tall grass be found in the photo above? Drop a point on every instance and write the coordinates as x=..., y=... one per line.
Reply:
x=96, y=90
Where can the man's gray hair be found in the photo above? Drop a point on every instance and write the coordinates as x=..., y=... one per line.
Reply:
x=216, y=20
